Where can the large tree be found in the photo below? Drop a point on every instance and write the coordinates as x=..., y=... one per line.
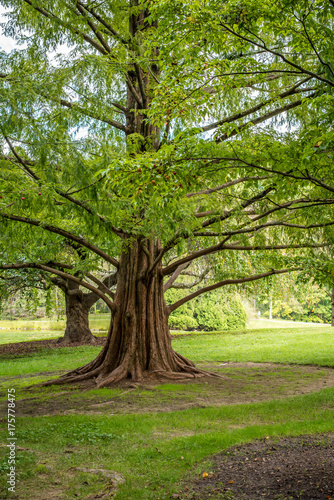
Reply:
x=143, y=146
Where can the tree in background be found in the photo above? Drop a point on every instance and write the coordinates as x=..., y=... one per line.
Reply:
x=144, y=146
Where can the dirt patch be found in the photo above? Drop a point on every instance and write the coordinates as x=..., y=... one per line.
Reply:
x=291, y=468
x=21, y=348
x=242, y=383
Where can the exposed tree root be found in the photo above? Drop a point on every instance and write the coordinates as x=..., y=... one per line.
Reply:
x=123, y=373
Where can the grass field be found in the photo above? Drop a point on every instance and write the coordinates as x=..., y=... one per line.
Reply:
x=27, y=330
x=156, y=437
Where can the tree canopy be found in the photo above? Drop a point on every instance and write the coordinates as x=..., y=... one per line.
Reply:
x=153, y=134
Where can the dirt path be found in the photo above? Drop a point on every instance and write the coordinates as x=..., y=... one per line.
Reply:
x=290, y=468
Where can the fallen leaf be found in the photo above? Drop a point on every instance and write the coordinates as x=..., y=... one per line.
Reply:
x=231, y=482
x=205, y=474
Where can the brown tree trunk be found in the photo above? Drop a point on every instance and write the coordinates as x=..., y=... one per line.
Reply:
x=77, y=324
x=77, y=310
x=138, y=346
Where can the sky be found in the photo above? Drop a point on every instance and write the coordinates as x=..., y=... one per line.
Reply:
x=6, y=43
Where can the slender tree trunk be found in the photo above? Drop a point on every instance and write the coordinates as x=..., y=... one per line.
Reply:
x=270, y=308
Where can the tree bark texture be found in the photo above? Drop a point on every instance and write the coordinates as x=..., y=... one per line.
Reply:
x=77, y=310
x=138, y=345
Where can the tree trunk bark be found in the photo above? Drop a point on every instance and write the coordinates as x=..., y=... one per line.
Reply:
x=77, y=310
x=139, y=345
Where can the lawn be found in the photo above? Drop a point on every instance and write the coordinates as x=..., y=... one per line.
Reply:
x=157, y=436
x=41, y=329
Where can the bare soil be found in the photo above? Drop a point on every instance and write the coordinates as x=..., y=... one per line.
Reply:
x=22, y=348
x=288, y=469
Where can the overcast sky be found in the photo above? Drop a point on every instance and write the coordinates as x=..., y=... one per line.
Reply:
x=6, y=43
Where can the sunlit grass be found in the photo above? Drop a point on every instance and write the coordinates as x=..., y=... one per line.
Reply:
x=297, y=345
x=154, y=452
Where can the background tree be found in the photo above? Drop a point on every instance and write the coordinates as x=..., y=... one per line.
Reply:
x=143, y=147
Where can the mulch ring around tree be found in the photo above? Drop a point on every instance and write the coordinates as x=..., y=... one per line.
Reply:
x=36, y=345
x=285, y=469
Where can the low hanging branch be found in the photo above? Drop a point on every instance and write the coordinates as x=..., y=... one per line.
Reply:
x=220, y=284
x=68, y=196
x=62, y=274
x=234, y=246
x=65, y=234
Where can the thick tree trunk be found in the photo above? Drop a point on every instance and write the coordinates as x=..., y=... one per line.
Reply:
x=77, y=324
x=138, y=346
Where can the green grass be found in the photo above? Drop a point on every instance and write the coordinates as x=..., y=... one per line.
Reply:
x=46, y=360
x=255, y=324
x=155, y=452
x=298, y=345
x=28, y=330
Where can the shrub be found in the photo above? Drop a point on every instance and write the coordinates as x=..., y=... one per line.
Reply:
x=182, y=321
x=215, y=311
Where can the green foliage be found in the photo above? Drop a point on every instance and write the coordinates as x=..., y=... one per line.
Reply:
x=227, y=140
x=214, y=311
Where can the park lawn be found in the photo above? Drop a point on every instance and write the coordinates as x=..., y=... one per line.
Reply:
x=155, y=450
x=297, y=345
x=310, y=346
x=44, y=329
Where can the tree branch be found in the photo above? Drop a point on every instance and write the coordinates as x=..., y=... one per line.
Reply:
x=220, y=284
x=222, y=246
x=85, y=112
x=265, y=117
x=226, y=185
x=62, y=275
x=293, y=90
x=175, y=275
x=51, y=16
x=65, y=234
x=63, y=194
x=278, y=54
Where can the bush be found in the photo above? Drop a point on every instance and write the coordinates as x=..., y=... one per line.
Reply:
x=182, y=321
x=216, y=311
